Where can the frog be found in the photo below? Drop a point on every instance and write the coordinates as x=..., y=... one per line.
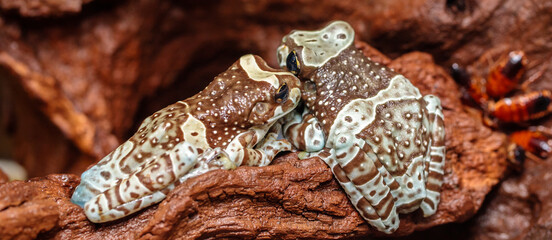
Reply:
x=383, y=140
x=235, y=121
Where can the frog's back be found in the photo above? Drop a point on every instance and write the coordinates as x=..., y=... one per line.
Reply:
x=350, y=77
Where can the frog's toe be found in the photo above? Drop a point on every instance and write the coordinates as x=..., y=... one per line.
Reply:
x=90, y=186
x=82, y=194
x=80, y=197
x=302, y=155
x=226, y=163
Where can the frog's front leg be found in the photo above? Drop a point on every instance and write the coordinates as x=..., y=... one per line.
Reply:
x=358, y=174
x=435, y=167
x=265, y=150
x=304, y=131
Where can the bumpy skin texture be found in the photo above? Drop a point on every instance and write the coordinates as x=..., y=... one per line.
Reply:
x=234, y=121
x=385, y=141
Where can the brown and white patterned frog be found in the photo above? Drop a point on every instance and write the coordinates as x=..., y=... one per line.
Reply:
x=234, y=121
x=384, y=140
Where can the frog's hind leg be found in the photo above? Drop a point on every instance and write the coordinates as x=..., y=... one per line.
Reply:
x=361, y=180
x=435, y=166
x=103, y=175
x=96, y=210
x=129, y=157
x=408, y=190
x=157, y=175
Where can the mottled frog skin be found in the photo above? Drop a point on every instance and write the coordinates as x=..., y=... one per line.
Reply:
x=384, y=140
x=234, y=121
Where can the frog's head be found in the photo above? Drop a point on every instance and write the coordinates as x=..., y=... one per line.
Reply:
x=302, y=52
x=250, y=94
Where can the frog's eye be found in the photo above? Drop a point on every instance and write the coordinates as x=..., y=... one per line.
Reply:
x=292, y=64
x=282, y=93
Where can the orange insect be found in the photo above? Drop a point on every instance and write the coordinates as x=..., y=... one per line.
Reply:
x=506, y=74
x=504, y=77
x=534, y=144
x=522, y=108
x=473, y=92
x=489, y=94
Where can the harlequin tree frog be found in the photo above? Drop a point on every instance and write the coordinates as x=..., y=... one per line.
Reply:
x=384, y=141
x=234, y=121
